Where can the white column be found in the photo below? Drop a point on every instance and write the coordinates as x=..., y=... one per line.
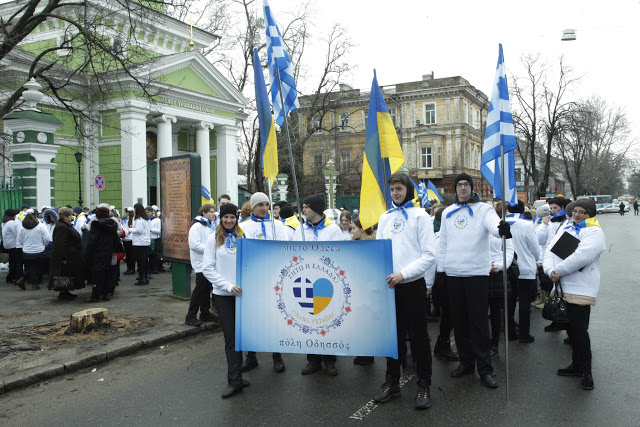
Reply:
x=43, y=154
x=227, y=161
x=133, y=135
x=202, y=148
x=165, y=143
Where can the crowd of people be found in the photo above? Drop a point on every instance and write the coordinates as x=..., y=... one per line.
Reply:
x=448, y=263
x=76, y=247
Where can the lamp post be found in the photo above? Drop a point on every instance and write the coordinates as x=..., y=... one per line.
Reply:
x=330, y=175
x=79, y=160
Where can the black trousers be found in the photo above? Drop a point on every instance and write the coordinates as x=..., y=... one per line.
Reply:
x=440, y=297
x=201, y=296
x=140, y=254
x=33, y=265
x=578, y=332
x=526, y=288
x=153, y=256
x=411, y=317
x=512, y=300
x=15, y=264
x=496, y=308
x=319, y=358
x=226, y=306
x=130, y=257
x=469, y=301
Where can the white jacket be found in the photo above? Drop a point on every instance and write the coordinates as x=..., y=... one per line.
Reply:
x=253, y=230
x=330, y=232
x=125, y=226
x=155, y=228
x=412, y=240
x=219, y=265
x=525, y=244
x=198, y=235
x=34, y=241
x=79, y=222
x=586, y=257
x=495, y=246
x=464, y=240
x=139, y=232
x=9, y=234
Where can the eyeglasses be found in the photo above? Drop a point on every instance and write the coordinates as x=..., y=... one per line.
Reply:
x=580, y=212
x=463, y=184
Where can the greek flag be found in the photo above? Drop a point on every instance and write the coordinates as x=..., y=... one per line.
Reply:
x=278, y=59
x=500, y=133
x=422, y=193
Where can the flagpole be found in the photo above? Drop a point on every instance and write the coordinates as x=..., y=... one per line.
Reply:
x=293, y=168
x=504, y=276
x=273, y=220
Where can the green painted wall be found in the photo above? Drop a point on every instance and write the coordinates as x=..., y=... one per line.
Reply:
x=213, y=140
x=111, y=169
x=183, y=141
x=68, y=126
x=66, y=182
x=187, y=78
x=110, y=125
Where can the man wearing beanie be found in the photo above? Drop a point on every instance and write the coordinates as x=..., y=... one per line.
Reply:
x=202, y=227
x=317, y=227
x=289, y=220
x=579, y=274
x=527, y=249
x=258, y=225
x=465, y=257
x=411, y=233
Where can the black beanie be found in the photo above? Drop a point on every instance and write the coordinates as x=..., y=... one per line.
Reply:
x=519, y=208
x=316, y=202
x=286, y=212
x=228, y=208
x=588, y=205
x=462, y=177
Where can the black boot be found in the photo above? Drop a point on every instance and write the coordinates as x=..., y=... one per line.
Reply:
x=21, y=281
x=443, y=350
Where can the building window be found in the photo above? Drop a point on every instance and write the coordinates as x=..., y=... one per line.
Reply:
x=430, y=113
x=317, y=124
x=392, y=113
x=466, y=112
x=317, y=164
x=471, y=123
x=343, y=123
x=345, y=162
x=477, y=119
x=439, y=151
x=365, y=118
x=426, y=162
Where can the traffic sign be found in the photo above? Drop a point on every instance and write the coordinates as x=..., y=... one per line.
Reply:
x=99, y=182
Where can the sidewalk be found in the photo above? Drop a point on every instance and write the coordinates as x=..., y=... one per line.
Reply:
x=33, y=346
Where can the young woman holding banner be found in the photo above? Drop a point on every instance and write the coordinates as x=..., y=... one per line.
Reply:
x=219, y=268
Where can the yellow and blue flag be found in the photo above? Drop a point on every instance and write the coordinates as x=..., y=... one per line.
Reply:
x=432, y=192
x=382, y=157
x=205, y=195
x=268, y=141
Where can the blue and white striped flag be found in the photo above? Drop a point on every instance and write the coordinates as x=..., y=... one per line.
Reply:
x=278, y=58
x=500, y=132
x=422, y=193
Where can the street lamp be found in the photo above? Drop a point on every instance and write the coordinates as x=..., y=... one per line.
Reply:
x=330, y=176
x=79, y=160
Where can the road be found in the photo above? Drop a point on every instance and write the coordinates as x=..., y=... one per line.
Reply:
x=181, y=383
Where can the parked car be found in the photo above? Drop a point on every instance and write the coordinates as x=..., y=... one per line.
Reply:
x=603, y=208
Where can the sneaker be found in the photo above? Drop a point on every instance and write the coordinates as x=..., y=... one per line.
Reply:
x=387, y=392
x=569, y=371
x=311, y=367
x=587, y=382
x=494, y=352
x=423, y=398
x=192, y=321
x=332, y=371
x=278, y=365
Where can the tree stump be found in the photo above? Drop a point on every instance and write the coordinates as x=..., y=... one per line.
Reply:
x=88, y=320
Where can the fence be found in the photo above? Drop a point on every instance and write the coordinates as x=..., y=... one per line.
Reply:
x=11, y=194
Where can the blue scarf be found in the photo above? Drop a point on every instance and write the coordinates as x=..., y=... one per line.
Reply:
x=204, y=221
x=231, y=239
x=589, y=222
x=461, y=206
x=322, y=224
x=512, y=218
x=562, y=214
x=402, y=208
x=262, y=221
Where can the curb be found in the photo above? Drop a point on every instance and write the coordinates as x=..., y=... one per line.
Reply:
x=119, y=348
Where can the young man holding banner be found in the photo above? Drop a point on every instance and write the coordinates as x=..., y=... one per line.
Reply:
x=318, y=228
x=260, y=226
x=411, y=233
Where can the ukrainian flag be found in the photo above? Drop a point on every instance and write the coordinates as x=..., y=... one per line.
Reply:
x=268, y=141
x=382, y=157
x=205, y=194
x=432, y=192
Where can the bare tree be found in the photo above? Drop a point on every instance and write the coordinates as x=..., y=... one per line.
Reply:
x=539, y=115
x=594, y=147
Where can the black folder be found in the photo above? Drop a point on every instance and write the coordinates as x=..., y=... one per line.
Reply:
x=566, y=245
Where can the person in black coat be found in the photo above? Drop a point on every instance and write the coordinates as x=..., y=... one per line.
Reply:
x=622, y=208
x=102, y=243
x=67, y=270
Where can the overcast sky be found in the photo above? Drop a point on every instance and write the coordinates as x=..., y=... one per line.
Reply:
x=404, y=39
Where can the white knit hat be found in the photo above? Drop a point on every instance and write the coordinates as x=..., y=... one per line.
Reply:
x=258, y=198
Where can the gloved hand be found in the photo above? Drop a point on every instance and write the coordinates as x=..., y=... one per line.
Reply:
x=504, y=229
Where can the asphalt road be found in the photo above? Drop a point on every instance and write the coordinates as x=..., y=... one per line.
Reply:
x=181, y=383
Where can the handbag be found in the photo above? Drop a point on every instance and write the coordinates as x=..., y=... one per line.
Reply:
x=62, y=283
x=555, y=307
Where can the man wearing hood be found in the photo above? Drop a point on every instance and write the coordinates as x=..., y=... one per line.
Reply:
x=465, y=257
